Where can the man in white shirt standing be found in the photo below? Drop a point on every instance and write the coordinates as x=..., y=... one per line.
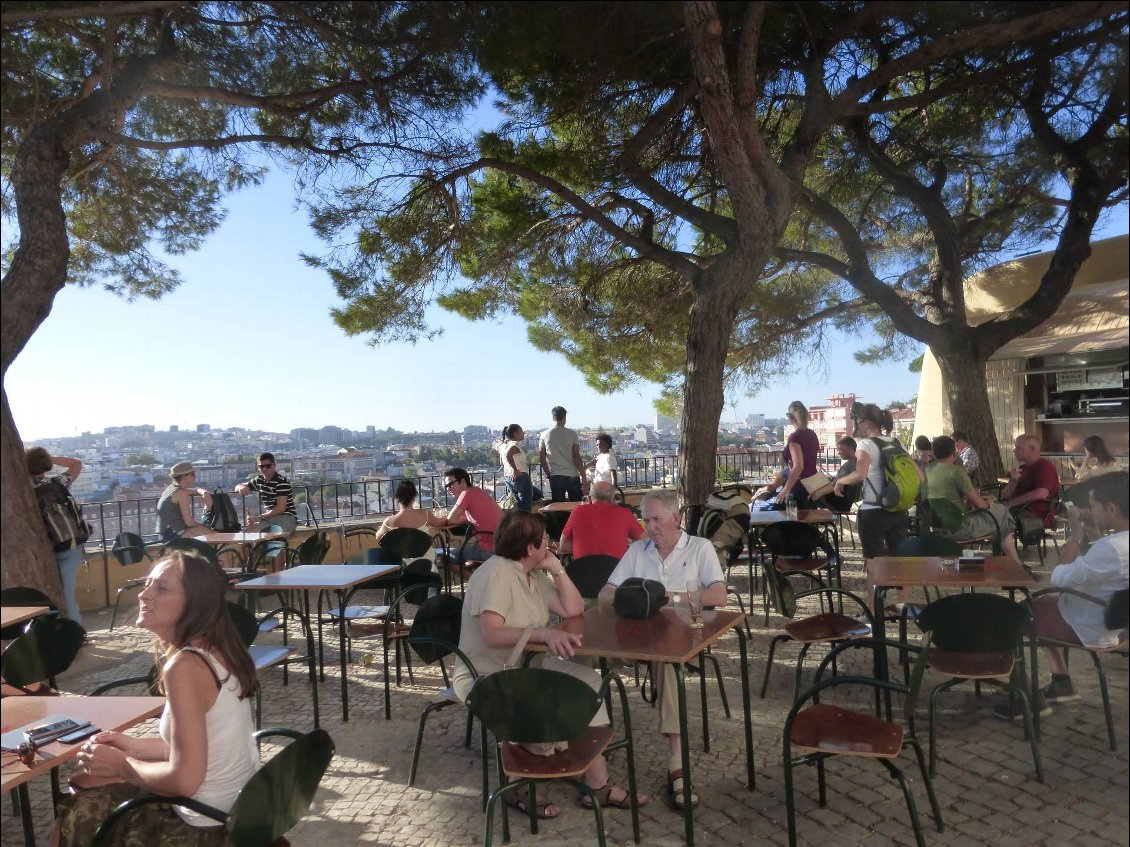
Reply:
x=560, y=455
x=1100, y=572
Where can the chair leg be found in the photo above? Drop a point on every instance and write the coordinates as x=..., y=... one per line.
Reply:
x=1106, y=702
x=911, y=806
x=935, y=809
x=769, y=662
x=790, y=806
x=938, y=689
x=1029, y=729
x=434, y=707
x=114, y=614
x=721, y=684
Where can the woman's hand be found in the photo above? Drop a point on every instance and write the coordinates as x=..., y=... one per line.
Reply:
x=563, y=644
x=103, y=760
x=550, y=563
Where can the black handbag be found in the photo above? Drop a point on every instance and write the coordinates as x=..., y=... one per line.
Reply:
x=640, y=598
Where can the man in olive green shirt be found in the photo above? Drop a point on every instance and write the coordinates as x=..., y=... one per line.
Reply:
x=947, y=480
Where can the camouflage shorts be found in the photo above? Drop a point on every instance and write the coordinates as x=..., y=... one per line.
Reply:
x=81, y=814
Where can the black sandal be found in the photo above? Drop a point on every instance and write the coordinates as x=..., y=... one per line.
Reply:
x=604, y=795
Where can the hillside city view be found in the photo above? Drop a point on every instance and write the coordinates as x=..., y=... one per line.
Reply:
x=340, y=473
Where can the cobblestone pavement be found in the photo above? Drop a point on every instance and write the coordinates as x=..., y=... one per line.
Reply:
x=986, y=782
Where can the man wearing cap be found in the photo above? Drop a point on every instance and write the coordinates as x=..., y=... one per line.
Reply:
x=174, y=509
x=560, y=455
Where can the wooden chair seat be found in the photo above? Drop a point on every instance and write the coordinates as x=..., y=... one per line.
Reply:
x=520, y=763
x=824, y=728
x=32, y=689
x=992, y=665
x=809, y=565
x=830, y=626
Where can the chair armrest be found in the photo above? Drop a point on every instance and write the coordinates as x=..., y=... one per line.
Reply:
x=125, y=808
x=272, y=731
x=447, y=645
x=857, y=643
x=120, y=683
x=1074, y=592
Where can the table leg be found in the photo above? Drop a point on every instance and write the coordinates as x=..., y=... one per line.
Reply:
x=341, y=624
x=25, y=815
x=688, y=811
x=746, y=717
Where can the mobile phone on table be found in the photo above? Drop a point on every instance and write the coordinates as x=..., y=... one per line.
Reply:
x=79, y=734
x=43, y=733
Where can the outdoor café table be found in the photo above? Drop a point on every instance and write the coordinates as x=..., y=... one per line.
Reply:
x=18, y=614
x=666, y=637
x=108, y=713
x=220, y=538
x=306, y=578
x=560, y=506
x=999, y=573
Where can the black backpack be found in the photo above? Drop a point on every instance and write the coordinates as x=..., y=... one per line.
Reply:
x=222, y=517
x=61, y=515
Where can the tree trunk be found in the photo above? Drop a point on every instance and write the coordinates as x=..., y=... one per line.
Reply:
x=708, y=337
x=966, y=389
x=26, y=559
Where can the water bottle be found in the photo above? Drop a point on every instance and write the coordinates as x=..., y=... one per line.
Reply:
x=791, y=507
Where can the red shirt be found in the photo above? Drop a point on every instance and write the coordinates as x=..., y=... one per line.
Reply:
x=601, y=529
x=482, y=512
x=1039, y=474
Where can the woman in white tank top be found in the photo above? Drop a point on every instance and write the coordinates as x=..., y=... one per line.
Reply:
x=205, y=750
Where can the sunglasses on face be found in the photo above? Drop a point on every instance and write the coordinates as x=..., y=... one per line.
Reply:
x=264, y=467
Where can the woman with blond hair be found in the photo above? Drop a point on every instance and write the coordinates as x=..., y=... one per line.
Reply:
x=801, y=453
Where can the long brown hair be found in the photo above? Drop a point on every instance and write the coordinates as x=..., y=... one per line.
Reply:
x=205, y=619
x=880, y=418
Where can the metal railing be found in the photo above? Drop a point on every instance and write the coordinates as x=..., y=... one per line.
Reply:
x=341, y=502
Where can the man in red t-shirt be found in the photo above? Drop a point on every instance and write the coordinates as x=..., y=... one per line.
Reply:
x=1033, y=481
x=473, y=506
x=600, y=528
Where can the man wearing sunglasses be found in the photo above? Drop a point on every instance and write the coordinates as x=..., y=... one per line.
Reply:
x=276, y=495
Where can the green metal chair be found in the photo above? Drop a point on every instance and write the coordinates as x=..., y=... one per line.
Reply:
x=947, y=515
x=434, y=635
x=796, y=546
x=46, y=648
x=1116, y=616
x=265, y=656
x=538, y=706
x=590, y=573
x=818, y=731
x=271, y=802
x=830, y=626
x=128, y=549
x=417, y=582
x=978, y=637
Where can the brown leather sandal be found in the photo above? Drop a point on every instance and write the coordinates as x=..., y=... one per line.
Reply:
x=604, y=795
x=675, y=789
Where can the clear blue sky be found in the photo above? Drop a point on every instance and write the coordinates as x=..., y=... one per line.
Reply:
x=201, y=355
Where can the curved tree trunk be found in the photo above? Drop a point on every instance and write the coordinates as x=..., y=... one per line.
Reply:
x=27, y=559
x=37, y=273
x=967, y=390
x=712, y=320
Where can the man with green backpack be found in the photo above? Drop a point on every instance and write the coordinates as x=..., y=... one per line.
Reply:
x=891, y=482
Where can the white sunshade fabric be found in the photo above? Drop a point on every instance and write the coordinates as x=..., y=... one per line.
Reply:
x=1094, y=317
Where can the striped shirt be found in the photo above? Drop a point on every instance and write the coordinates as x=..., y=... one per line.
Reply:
x=270, y=491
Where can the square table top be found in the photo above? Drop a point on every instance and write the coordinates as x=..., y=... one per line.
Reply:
x=239, y=537
x=665, y=637
x=329, y=577
x=560, y=506
x=815, y=516
x=109, y=713
x=18, y=614
x=998, y=572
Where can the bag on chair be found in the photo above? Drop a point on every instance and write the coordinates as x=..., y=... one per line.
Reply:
x=222, y=517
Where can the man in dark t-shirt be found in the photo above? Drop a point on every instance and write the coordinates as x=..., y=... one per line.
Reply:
x=1033, y=482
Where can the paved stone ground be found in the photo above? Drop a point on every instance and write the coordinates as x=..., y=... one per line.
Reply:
x=986, y=783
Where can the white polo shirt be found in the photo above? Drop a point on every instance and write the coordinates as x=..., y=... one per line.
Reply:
x=692, y=555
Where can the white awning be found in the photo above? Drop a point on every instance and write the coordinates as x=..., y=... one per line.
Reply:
x=1091, y=318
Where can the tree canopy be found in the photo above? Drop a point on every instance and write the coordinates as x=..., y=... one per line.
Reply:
x=654, y=179
x=124, y=124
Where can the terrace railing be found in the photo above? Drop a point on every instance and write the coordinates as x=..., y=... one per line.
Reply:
x=345, y=502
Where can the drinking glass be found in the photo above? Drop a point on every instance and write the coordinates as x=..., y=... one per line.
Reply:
x=791, y=509
x=694, y=602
